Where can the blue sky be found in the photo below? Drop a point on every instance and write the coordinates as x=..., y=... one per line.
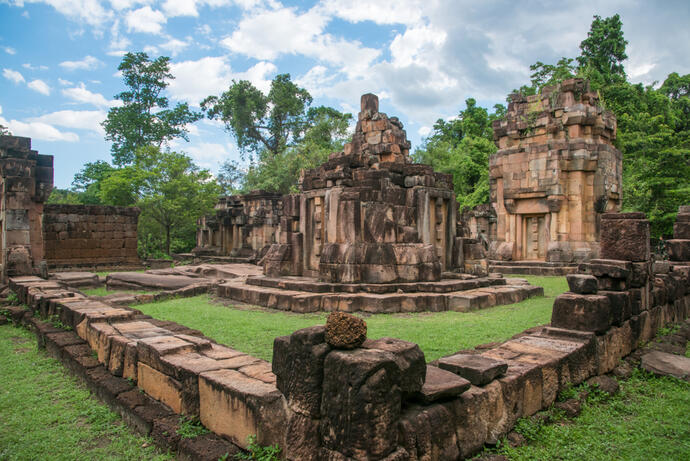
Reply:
x=59, y=58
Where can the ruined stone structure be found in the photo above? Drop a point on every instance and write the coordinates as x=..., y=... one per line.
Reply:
x=368, y=215
x=27, y=180
x=555, y=173
x=379, y=400
x=679, y=247
x=90, y=236
x=243, y=227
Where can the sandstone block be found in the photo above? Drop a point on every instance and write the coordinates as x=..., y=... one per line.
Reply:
x=361, y=403
x=409, y=358
x=582, y=284
x=678, y=250
x=625, y=238
x=582, y=312
x=298, y=366
x=478, y=369
x=236, y=406
x=441, y=384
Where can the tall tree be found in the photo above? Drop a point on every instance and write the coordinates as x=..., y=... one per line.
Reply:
x=144, y=119
x=603, y=51
x=171, y=191
x=258, y=121
x=461, y=147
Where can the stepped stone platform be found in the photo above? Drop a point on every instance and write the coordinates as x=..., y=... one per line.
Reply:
x=304, y=294
x=532, y=267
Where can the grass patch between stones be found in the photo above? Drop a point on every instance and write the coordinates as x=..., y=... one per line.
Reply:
x=252, y=329
x=46, y=414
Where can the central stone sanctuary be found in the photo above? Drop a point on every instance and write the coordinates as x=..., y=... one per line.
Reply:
x=372, y=231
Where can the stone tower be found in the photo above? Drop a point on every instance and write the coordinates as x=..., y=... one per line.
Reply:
x=555, y=173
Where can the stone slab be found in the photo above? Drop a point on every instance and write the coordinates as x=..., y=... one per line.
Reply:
x=478, y=369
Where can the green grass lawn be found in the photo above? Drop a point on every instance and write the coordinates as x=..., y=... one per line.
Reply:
x=45, y=414
x=103, y=291
x=648, y=420
x=252, y=330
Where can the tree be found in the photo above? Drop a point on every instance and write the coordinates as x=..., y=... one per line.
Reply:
x=4, y=131
x=87, y=182
x=461, y=147
x=261, y=122
x=547, y=75
x=172, y=193
x=143, y=119
x=603, y=51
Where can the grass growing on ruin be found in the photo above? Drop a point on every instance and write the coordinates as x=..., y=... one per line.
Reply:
x=647, y=420
x=252, y=330
x=45, y=414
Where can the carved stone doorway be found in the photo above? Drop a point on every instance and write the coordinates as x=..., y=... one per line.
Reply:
x=534, y=237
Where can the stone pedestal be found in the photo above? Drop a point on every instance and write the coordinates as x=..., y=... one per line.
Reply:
x=26, y=181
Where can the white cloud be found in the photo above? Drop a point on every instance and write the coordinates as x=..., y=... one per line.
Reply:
x=127, y=4
x=145, y=20
x=117, y=43
x=209, y=155
x=38, y=130
x=90, y=12
x=64, y=82
x=9, y=50
x=81, y=95
x=180, y=8
x=217, y=77
x=13, y=75
x=29, y=66
x=88, y=63
x=89, y=120
x=424, y=130
x=174, y=46
x=39, y=86
x=267, y=34
x=378, y=11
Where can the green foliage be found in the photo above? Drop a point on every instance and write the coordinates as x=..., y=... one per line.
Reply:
x=4, y=131
x=46, y=414
x=461, y=147
x=259, y=453
x=603, y=51
x=190, y=427
x=261, y=122
x=12, y=298
x=547, y=75
x=172, y=193
x=143, y=119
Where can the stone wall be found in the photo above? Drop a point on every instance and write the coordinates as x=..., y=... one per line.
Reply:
x=555, y=173
x=26, y=181
x=244, y=226
x=378, y=400
x=90, y=235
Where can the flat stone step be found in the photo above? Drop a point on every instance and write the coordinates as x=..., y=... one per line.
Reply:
x=314, y=286
x=478, y=369
x=533, y=270
x=441, y=384
x=663, y=363
x=303, y=301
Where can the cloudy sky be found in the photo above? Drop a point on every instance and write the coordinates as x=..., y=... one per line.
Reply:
x=423, y=58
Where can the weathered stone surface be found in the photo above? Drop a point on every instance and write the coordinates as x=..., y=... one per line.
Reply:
x=582, y=283
x=236, y=406
x=621, y=309
x=410, y=360
x=298, y=365
x=476, y=368
x=361, y=403
x=662, y=363
x=582, y=312
x=146, y=281
x=611, y=268
x=605, y=384
x=429, y=432
x=441, y=384
x=345, y=331
x=625, y=238
x=678, y=250
x=161, y=387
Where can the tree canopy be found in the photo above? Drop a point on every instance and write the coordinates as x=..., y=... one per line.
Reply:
x=143, y=119
x=258, y=121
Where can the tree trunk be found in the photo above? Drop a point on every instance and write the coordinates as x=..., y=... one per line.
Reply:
x=167, y=239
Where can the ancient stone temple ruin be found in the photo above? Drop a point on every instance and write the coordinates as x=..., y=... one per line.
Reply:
x=555, y=173
x=243, y=228
x=368, y=215
x=371, y=231
x=27, y=180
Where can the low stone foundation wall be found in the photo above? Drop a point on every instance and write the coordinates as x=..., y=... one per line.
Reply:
x=381, y=400
x=90, y=236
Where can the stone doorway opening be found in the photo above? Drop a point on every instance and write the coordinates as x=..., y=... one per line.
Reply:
x=534, y=237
